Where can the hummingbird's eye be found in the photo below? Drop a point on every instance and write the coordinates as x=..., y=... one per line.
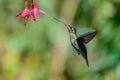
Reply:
x=72, y=29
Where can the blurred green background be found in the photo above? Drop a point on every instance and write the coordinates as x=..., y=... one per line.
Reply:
x=42, y=50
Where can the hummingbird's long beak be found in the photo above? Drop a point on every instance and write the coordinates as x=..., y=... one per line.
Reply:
x=60, y=21
x=67, y=25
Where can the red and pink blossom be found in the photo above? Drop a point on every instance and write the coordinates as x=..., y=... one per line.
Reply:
x=25, y=13
x=35, y=11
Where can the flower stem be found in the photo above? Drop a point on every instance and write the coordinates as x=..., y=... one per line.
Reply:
x=35, y=1
x=26, y=4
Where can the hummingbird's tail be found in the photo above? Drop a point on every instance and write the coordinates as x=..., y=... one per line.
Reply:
x=83, y=50
x=87, y=63
x=85, y=57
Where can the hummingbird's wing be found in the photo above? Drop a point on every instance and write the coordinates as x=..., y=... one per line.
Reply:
x=88, y=36
x=83, y=50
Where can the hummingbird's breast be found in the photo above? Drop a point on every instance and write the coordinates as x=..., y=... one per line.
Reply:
x=73, y=39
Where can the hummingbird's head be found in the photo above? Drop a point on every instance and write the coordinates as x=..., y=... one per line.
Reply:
x=71, y=29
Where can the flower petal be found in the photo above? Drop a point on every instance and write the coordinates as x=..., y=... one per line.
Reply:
x=34, y=13
x=25, y=12
x=19, y=13
x=43, y=13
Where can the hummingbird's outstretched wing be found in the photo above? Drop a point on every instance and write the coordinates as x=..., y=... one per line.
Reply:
x=83, y=50
x=86, y=37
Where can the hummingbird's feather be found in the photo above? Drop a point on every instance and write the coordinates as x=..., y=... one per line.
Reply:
x=75, y=46
x=73, y=41
x=86, y=37
x=83, y=50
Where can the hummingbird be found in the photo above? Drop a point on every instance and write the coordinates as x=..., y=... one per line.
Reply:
x=78, y=43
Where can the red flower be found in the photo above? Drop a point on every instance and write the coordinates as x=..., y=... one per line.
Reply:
x=25, y=13
x=34, y=12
